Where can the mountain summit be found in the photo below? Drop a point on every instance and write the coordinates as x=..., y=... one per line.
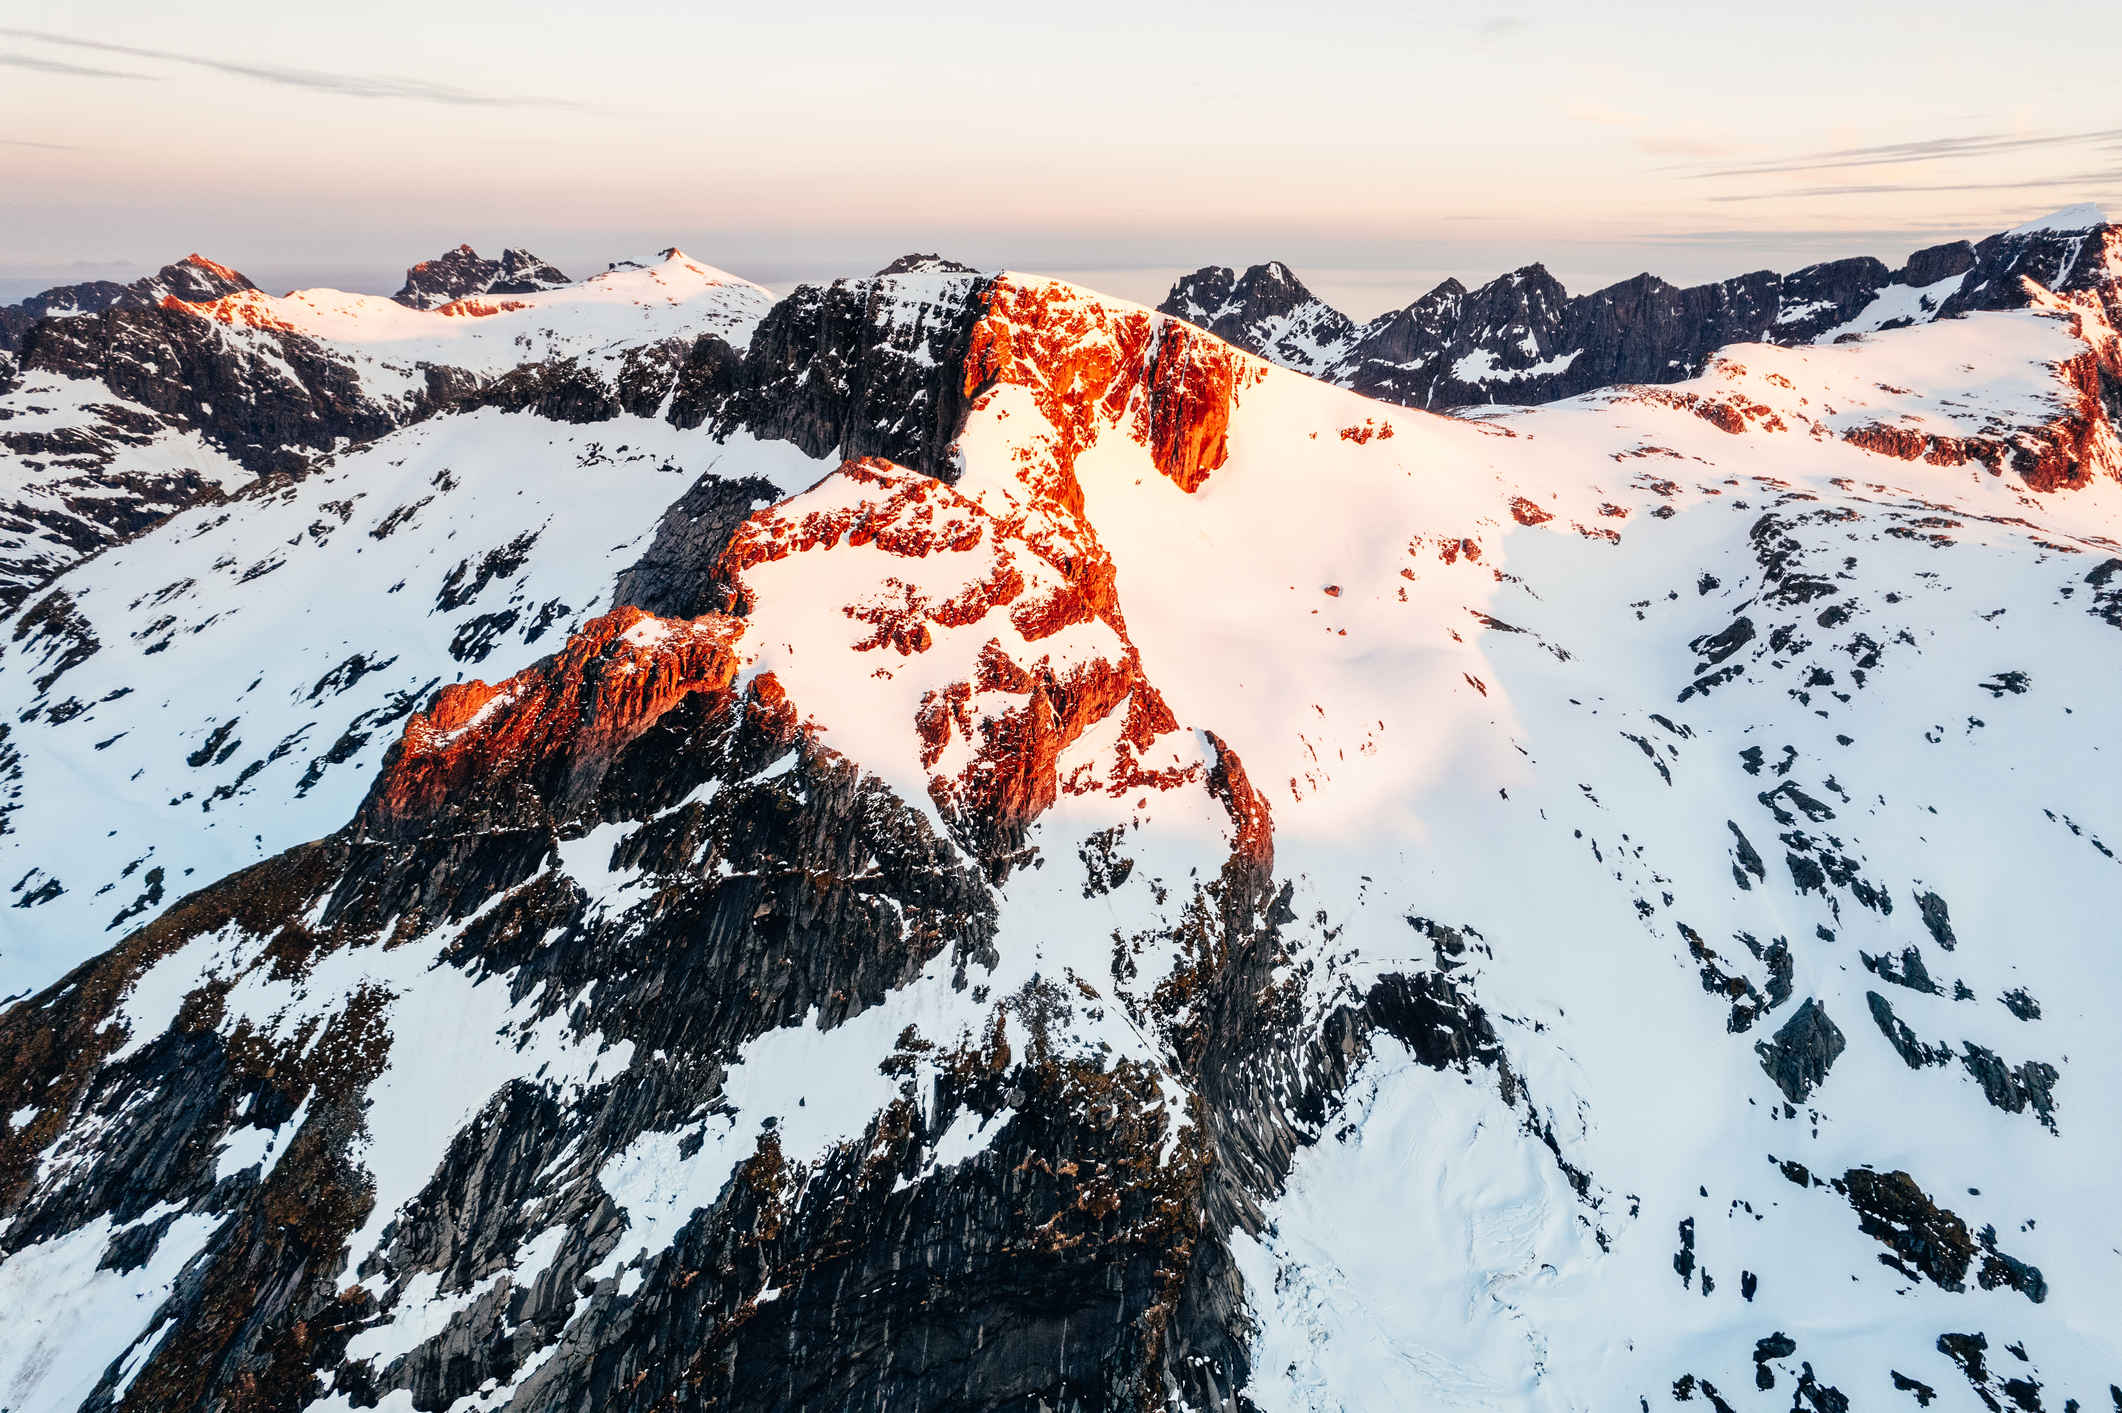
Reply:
x=455, y=274
x=1266, y=310
x=194, y=279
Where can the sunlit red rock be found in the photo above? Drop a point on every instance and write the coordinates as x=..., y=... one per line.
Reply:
x=216, y=269
x=994, y=731
x=249, y=309
x=1092, y=365
x=567, y=715
x=479, y=306
x=1731, y=412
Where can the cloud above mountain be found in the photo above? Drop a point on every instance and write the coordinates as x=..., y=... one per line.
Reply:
x=388, y=86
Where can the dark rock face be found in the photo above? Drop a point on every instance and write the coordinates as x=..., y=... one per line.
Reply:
x=2011, y=1088
x=576, y=390
x=457, y=273
x=864, y=368
x=1523, y=339
x=1928, y=1241
x=524, y=273
x=238, y=394
x=1909, y=971
x=1800, y=1054
x=2068, y=262
x=194, y=279
x=678, y=575
x=1935, y=263
x=1926, y=1238
x=708, y=377
x=1913, y=1052
x=1267, y=310
x=92, y=297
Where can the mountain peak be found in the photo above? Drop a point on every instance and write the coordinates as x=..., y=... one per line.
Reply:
x=1273, y=275
x=214, y=267
x=1266, y=310
x=194, y=280
x=1535, y=272
x=2084, y=216
x=930, y=264
x=457, y=273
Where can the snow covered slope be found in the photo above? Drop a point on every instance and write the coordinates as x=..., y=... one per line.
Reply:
x=302, y=625
x=1157, y=881
x=81, y=467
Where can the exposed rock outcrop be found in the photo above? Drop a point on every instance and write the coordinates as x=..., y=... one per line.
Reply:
x=194, y=279
x=456, y=274
x=863, y=368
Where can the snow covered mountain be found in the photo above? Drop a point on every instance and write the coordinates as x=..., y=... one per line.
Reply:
x=1522, y=338
x=950, y=842
x=187, y=389
x=193, y=278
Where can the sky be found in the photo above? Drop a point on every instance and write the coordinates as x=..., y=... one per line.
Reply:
x=1376, y=147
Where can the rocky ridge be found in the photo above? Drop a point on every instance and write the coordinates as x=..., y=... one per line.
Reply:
x=1522, y=338
x=460, y=273
x=195, y=279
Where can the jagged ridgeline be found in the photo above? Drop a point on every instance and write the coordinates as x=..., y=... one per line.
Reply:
x=948, y=842
x=1522, y=338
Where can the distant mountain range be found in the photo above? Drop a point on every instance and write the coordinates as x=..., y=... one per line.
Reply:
x=1521, y=338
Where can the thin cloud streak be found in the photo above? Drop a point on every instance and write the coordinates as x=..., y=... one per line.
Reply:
x=60, y=66
x=41, y=146
x=316, y=81
x=2080, y=180
x=1936, y=149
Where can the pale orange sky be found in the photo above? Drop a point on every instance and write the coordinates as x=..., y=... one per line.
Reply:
x=1374, y=146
